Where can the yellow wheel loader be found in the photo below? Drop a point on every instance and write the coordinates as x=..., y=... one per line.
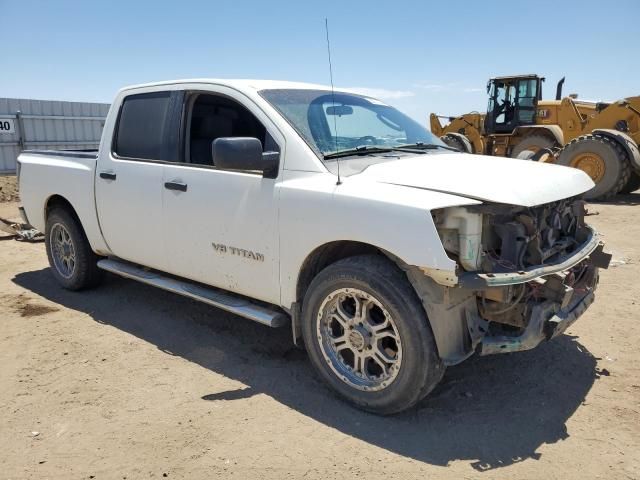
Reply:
x=600, y=138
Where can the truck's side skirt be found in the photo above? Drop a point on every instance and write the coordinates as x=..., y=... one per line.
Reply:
x=212, y=296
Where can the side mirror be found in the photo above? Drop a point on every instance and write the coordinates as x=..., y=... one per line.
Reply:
x=244, y=153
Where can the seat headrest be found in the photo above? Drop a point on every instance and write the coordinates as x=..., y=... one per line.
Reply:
x=215, y=126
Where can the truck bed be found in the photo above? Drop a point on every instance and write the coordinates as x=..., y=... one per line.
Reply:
x=60, y=175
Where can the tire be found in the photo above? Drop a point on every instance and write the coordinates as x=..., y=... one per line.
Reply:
x=603, y=159
x=72, y=262
x=632, y=184
x=525, y=155
x=459, y=142
x=403, y=335
x=531, y=143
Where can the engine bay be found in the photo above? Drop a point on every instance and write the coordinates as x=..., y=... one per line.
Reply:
x=516, y=238
x=498, y=238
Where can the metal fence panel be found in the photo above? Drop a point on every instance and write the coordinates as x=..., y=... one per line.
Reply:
x=45, y=124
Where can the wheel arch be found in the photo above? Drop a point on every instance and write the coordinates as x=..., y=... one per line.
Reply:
x=319, y=259
x=449, y=332
x=446, y=320
x=59, y=201
x=84, y=213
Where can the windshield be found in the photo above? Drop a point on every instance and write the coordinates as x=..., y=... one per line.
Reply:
x=331, y=123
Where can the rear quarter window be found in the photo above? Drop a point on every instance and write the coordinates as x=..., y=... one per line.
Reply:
x=141, y=126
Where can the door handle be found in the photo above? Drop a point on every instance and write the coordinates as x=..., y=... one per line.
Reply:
x=108, y=175
x=181, y=187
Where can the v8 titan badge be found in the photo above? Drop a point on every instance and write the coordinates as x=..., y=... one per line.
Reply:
x=241, y=252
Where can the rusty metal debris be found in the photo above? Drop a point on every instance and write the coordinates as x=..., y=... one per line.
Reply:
x=21, y=231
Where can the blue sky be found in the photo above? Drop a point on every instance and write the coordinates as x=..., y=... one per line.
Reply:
x=419, y=56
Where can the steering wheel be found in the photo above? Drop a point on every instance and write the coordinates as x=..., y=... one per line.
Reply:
x=367, y=140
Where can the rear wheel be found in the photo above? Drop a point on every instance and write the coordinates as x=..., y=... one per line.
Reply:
x=368, y=336
x=603, y=159
x=632, y=184
x=458, y=142
x=72, y=261
x=531, y=143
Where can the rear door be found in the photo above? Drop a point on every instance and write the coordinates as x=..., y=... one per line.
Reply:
x=129, y=185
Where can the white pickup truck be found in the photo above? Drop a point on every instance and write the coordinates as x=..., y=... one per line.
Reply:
x=389, y=255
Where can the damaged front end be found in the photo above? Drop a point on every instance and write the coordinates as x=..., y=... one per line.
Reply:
x=519, y=317
x=527, y=274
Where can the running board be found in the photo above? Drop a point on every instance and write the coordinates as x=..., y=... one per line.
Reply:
x=210, y=295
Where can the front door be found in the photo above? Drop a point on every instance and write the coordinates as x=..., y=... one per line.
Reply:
x=221, y=226
x=501, y=110
x=527, y=100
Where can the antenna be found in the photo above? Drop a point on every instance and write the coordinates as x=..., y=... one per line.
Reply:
x=333, y=100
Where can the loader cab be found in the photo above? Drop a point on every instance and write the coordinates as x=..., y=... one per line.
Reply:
x=512, y=102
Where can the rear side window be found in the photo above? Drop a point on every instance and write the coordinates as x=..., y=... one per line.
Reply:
x=141, y=126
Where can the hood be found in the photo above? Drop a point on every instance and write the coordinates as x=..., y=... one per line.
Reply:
x=493, y=179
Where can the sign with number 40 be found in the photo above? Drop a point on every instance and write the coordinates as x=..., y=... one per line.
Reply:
x=7, y=126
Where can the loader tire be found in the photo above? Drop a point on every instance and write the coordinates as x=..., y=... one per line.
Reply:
x=72, y=261
x=460, y=143
x=603, y=159
x=531, y=143
x=633, y=183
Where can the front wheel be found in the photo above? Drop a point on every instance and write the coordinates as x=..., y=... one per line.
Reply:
x=368, y=336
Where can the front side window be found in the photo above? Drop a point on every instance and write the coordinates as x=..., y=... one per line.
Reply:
x=502, y=102
x=331, y=123
x=213, y=117
x=141, y=126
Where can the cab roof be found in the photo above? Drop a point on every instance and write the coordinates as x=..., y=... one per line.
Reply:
x=509, y=77
x=241, y=84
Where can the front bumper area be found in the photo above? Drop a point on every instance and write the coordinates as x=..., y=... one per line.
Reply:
x=554, y=303
x=545, y=323
x=508, y=317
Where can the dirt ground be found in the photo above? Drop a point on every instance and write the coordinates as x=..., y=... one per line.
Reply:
x=129, y=382
x=8, y=188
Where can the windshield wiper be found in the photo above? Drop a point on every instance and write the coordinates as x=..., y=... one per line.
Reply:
x=361, y=150
x=418, y=147
x=427, y=146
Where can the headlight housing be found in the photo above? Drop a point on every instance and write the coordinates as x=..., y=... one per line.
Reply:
x=461, y=234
